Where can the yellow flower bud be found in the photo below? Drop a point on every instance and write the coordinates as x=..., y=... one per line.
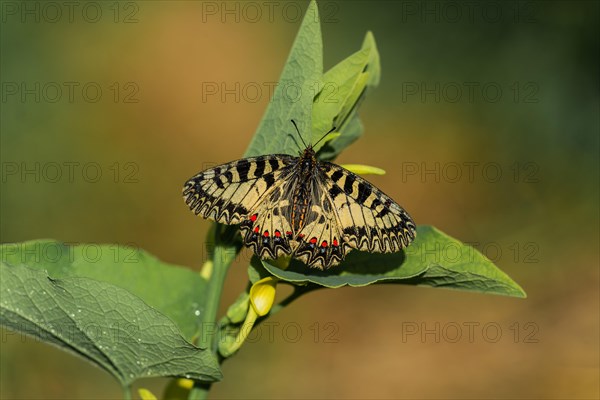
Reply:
x=145, y=394
x=262, y=295
x=363, y=169
x=206, y=270
x=178, y=389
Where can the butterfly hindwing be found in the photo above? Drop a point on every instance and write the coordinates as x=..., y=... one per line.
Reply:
x=227, y=192
x=268, y=228
x=370, y=220
x=320, y=243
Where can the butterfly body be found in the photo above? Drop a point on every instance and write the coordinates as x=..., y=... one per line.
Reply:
x=301, y=194
x=299, y=206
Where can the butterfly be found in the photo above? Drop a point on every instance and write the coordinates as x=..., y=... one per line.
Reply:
x=312, y=210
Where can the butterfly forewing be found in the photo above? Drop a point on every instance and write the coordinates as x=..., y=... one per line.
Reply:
x=228, y=192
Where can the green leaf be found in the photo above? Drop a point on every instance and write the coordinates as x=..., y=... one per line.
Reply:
x=293, y=96
x=101, y=322
x=359, y=269
x=343, y=88
x=176, y=292
x=434, y=259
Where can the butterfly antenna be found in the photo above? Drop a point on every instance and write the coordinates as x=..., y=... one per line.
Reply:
x=295, y=142
x=325, y=135
x=298, y=130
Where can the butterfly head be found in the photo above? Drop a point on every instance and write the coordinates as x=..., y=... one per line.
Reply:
x=308, y=158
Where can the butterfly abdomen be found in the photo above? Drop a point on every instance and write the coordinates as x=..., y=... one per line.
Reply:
x=301, y=198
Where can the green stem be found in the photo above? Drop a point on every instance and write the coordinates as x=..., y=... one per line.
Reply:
x=199, y=391
x=215, y=287
x=127, y=393
x=223, y=256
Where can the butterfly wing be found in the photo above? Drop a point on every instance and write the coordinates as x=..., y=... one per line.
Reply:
x=229, y=192
x=370, y=220
x=320, y=243
x=268, y=228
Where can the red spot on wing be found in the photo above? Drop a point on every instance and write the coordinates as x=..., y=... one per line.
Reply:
x=289, y=233
x=277, y=234
x=324, y=243
x=256, y=230
x=253, y=218
x=266, y=234
x=301, y=235
x=335, y=242
x=313, y=240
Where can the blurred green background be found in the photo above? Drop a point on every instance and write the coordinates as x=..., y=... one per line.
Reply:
x=486, y=120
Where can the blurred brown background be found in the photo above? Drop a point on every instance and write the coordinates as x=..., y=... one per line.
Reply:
x=486, y=121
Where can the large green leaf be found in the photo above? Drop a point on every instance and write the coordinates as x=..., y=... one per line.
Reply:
x=434, y=259
x=293, y=96
x=344, y=87
x=176, y=292
x=101, y=322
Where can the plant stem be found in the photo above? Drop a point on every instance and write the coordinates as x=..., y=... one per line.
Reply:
x=215, y=287
x=199, y=391
x=127, y=393
x=223, y=256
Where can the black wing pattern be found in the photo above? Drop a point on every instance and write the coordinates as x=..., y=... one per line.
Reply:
x=227, y=193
